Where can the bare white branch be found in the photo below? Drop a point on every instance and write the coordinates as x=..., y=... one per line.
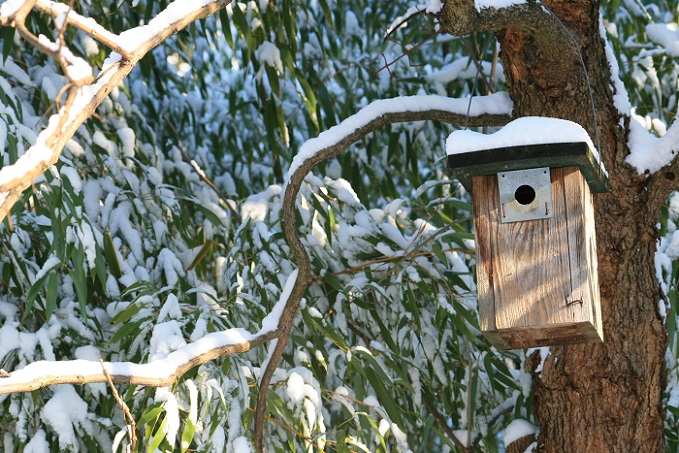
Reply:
x=61, y=126
x=85, y=24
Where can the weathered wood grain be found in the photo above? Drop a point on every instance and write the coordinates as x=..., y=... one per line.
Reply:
x=537, y=281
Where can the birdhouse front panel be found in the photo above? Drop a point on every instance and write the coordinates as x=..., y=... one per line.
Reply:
x=537, y=279
x=531, y=183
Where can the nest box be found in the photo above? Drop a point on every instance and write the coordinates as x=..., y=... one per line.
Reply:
x=536, y=259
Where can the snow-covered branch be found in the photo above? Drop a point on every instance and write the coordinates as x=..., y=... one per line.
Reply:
x=61, y=12
x=495, y=109
x=158, y=373
x=86, y=97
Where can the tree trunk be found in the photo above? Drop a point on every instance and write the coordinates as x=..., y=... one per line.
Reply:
x=597, y=397
x=600, y=397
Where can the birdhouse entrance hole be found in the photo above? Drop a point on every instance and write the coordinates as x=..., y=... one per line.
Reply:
x=525, y=194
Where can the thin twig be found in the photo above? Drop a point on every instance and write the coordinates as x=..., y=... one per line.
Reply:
x=409, y=51
x=388, y=259
x=201, y=174
x=403, y=21
x=285, y=427
x=441, y=421
x=477, y=63
x=130, y=423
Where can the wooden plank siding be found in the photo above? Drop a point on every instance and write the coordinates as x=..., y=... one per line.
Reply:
x=537, y=279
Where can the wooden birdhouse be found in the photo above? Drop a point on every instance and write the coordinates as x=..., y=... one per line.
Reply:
x=536, y=259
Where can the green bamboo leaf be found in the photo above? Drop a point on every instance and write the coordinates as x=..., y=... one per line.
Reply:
x=51, y=296
x=309, y=97
x=288, y=59
x=207, y=212
x=12, y=148
x=111, y=255
x=241, y=22
x=459, y=204
x=7, y=37
x=374, y=364
x=125, y=330
x=340, y=437
x=461, y=326
x=151, y=413
x=410, y=301
x=385, y=398
x=385, y=335
x=438, y=251
x=79, y=278
x=330, y=332
x=128, y=313
x=187, y=435
x=274, y=82
x=142, y=288
x=100, y=266
x=327, y=12
x=290, y=25
x=330, y=279
x=34, y=291
x=226, y=27
x=157, y=437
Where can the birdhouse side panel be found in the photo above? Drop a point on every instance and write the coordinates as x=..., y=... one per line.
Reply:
x=484, y=272
x=586, y=303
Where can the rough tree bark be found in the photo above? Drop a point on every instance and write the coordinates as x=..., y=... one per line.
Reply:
x=600, y=397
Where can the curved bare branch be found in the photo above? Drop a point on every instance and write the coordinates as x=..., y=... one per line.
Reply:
x=487, y=110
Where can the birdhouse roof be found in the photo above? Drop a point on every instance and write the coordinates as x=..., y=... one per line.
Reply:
x=527, y=142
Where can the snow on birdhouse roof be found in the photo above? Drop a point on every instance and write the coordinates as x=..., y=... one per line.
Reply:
x=529, y=130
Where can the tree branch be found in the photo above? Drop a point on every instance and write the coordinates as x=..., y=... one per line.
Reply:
x=461, y=18
x=127, y=416
x=485, y=111
x=84, y=24
x=137, y=42
x=159, y=373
